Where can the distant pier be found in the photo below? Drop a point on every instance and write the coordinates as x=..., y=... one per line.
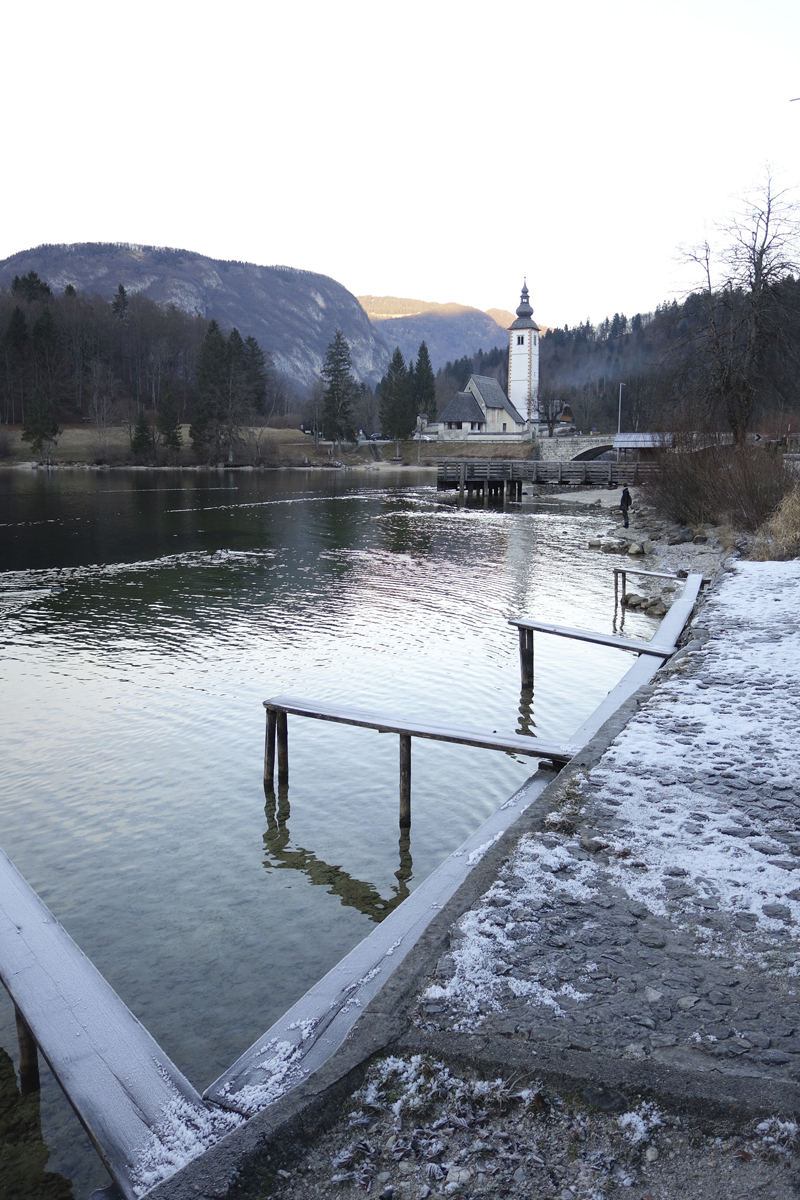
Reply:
x=503, y=478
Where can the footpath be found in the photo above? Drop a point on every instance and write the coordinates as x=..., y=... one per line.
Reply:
x=618, y=1010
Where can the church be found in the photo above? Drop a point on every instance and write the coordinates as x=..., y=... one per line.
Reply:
x=483, y=411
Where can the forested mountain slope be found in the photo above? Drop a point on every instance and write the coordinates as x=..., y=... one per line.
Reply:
x=293, y=314
x=450, y=331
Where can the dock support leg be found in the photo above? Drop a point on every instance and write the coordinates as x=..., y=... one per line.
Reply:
x=28, y=1056
x=462, y=470
x=269, y=750
x=526, y=657
x=283, y=748
x=405, y=780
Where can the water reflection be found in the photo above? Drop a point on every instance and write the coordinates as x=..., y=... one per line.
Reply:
x=354, y=893
x=526, y=725
x=24, y=1155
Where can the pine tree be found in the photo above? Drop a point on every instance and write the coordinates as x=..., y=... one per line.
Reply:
x=167, y=422
x=142, y=436
x=30, y=287
x=211, y=378
x=255, y=370
x=339, y=391
x=397, y=398
x=424, y=384
x=40, y=427
x=119, y=305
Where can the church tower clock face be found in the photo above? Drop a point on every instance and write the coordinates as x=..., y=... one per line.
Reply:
x=523, y=360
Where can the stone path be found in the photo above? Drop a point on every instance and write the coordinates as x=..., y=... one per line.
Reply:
x=655, y=914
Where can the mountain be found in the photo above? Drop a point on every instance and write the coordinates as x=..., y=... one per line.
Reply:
x=293, y=314
x=450, y=331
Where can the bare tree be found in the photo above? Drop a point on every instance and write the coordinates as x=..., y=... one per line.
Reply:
x=743, y=331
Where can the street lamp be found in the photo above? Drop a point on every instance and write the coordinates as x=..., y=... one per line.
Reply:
x=619, y=419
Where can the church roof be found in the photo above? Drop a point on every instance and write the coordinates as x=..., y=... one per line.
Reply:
x=463, y=407
x=493, y=395
x=524, y=312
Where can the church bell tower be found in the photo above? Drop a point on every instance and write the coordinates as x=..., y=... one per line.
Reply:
x=523, y=360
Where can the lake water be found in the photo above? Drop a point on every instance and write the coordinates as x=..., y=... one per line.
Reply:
x=132, y=733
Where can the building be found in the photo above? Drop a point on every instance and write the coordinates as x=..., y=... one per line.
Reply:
x=523, y=360
x=483, y=412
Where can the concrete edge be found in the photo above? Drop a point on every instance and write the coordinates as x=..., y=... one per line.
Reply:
x=704, y=1094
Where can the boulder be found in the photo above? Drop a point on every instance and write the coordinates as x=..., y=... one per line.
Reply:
x=648, y=547
x=681, y=536
x=657, y=610
x=631, y=600
x=635, y=548
x=595, y=543
x=699, y=539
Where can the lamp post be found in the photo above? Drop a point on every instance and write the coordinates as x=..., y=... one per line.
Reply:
x=619, y=418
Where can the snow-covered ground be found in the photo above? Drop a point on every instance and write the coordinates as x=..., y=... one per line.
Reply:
x=656, y=912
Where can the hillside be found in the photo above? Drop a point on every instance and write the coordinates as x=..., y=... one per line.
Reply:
x=451, y=331
x=292, y=313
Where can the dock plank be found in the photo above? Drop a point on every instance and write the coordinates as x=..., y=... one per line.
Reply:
x=323, y=710
x=587, y=635
x=117, y=1078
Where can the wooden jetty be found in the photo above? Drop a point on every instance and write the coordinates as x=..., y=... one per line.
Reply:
x=661, y=645
x=114, y=1074
x=503, y=478
x=321, y=710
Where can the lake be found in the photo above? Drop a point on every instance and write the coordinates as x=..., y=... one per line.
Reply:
x=146, y=615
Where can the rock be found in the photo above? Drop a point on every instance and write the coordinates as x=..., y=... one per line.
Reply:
x=648, y=547
x=681, y=536
x=652, y=996
x=699, y=539
x=657, y=610
x=632, y=600
x=459, y=1175
x=774, y=1057
x=651, y=1153
x=651, y=937
x=687, y=1002
x=635, y=549
x=606, y=1099
x=780, y=912
x=595, y=543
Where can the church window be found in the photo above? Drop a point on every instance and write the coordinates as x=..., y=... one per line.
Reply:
x=504, y=426
x=520, y=339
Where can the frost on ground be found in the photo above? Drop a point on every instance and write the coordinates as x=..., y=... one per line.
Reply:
x=418, y=1130
x=656, y=913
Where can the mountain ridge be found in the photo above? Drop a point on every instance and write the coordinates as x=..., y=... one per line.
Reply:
x=293, y=313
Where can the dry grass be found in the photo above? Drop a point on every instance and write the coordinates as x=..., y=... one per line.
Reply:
x=779, y=538
x=741, y=486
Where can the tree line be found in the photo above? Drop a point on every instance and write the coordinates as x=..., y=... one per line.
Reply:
x=81, y=358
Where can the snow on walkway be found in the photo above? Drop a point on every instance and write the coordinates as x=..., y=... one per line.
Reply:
x=657, y=912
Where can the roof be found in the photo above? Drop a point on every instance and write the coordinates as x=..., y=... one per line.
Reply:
x=493, y=395
x=642, y=441
x=463, y=407
x=524, y=312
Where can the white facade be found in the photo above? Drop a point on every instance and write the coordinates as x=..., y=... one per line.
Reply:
x=523, y=360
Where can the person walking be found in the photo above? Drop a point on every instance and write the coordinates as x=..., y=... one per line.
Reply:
x=625, y=503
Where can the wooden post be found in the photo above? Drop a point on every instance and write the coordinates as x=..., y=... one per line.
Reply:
x=283, y=748
x=616, y=588
x=462, y=470
x=269, y=750
x=405, y=780
x=624, y=585
x=28, y=1056
x=526, y=657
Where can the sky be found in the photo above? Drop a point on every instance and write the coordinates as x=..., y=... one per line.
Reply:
x=440, y=150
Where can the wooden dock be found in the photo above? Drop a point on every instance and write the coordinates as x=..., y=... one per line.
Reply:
x=277, y=731
x=503, y=478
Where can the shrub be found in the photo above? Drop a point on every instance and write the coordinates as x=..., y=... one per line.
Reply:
x=779, y=538
x=740, y=485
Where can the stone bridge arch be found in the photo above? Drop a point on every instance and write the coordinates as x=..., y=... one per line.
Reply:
x=579, y=449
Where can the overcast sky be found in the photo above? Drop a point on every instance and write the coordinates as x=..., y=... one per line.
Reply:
x=437, y=150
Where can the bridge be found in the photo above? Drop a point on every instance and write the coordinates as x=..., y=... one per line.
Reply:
x=579, y=449
x=503, y=478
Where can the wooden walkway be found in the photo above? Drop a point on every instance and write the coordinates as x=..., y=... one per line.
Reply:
x=494, y=476
x=115, y=1076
